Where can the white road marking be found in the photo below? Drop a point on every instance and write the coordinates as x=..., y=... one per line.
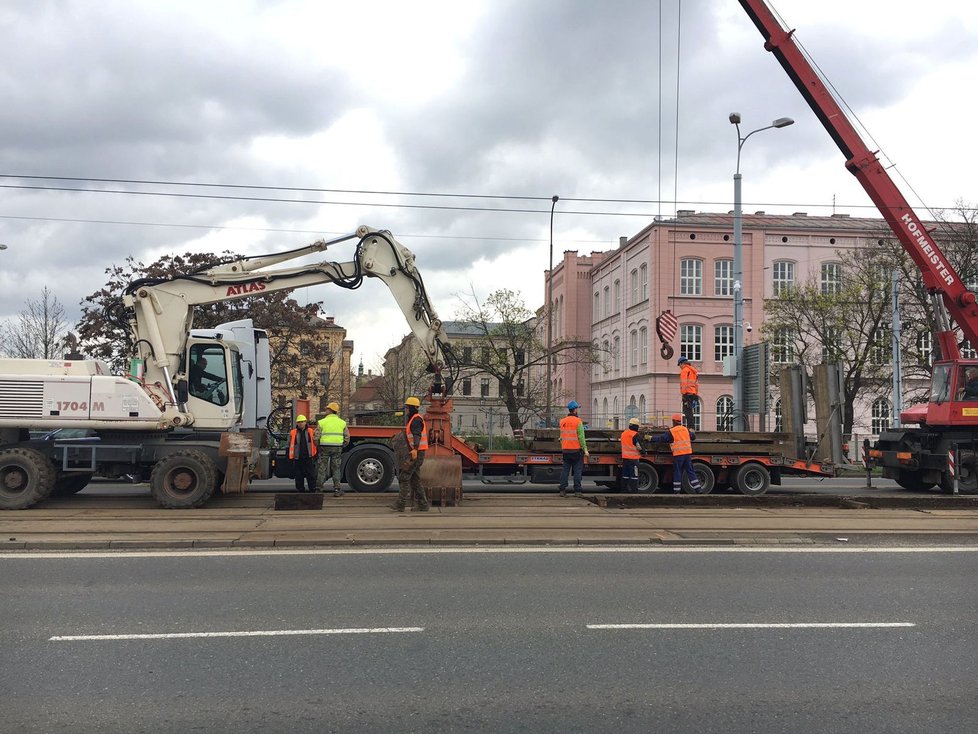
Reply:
x=252, y=552
x=247, y=633
x=745, y=625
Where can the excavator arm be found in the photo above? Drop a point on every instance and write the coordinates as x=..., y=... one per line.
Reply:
x=939, y=277
x=162, y=310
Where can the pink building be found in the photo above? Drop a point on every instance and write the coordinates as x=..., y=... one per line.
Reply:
x=685, y=265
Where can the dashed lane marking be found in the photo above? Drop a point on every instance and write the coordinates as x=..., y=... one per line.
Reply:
x=246, y=633
x=745, y=625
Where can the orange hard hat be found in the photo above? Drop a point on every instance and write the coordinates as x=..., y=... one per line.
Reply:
x=677, y=417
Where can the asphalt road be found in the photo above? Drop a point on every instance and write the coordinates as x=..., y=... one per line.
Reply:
x=492, y=642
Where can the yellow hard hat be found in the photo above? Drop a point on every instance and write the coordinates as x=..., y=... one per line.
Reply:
x=413, y=401
x=634, y=422
x=300, y=419
x=335, y=407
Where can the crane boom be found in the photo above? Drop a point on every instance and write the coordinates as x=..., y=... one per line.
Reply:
x=939, y=277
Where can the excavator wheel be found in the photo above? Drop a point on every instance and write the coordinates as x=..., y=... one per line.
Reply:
x=26, y=477
x=183, y=479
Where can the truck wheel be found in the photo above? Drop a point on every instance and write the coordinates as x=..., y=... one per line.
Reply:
x=369, y=469
x=26, y=477
x=648, y=478
x=183, y=479
x=704, y=472
x=967, y=474
x=68, y=484
x=751, y=479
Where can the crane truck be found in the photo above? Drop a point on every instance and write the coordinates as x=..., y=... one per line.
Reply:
x=945, y=441
x=187, y=389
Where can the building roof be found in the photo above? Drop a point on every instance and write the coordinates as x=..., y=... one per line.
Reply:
x=367, y=392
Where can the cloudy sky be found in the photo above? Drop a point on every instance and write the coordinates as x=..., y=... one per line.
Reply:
x=432, y=119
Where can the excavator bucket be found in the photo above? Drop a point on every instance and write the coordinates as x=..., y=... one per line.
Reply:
x=441, y=475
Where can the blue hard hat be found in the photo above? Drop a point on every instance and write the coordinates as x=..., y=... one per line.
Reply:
x=681, y=360
x=572, y=405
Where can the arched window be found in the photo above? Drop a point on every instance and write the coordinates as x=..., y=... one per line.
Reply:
x=881, y=416
x=690, y=277
x=643, y=345
x=607, y=301
x=782, y=276
x=616, y=354
x=643, y=282
x=634, y=350
x=778, y=417
x=596, y=316
x=604, y=410
x=698, y=416
x=641, y=408
x=617, y=296
x=725, y=406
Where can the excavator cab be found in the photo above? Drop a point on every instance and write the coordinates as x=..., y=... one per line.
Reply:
x=214, y=382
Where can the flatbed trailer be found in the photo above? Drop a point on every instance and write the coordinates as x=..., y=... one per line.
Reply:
x=746, y=462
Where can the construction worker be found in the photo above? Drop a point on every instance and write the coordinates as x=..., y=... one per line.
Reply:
x=681, y=440
x=302, y=452
x=631, y=449
x=574, y=449
x=332, y=436
x=689, y=388
x=409, y=477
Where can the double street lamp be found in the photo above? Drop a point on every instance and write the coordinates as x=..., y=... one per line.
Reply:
x=739, y=419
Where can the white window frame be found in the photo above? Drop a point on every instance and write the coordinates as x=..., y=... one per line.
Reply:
x=643, y=345
x=691, y=342
x=633, y=338
x=782, y=276
x=691, y=276
x=881, y=413
x=723, y=277
x=725, y=405
x=643, y=281
x=723, y=341
x=831, y=278
x=782, y=347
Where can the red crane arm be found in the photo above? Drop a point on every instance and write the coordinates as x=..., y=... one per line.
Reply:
x=938, y=274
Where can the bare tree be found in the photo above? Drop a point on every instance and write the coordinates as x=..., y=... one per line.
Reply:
x=39, y=332
x=405, y=374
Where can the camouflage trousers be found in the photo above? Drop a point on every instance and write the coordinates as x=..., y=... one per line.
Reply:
x=330, y=460
x=409, y=483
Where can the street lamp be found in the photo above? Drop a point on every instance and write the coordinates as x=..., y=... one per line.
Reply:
x=739, y=423
x=550, y=316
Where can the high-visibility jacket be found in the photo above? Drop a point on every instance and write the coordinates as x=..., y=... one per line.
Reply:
x=569, y=440
x=681, y=442
x=628, y=448
x=423, y=445
x=293, y=434
x=687, y=380
x=331, y=430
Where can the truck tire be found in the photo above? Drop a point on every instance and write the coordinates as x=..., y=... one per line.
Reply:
x=704, y=472
x=752, y=479
x=183, y=479
x=68, y=484
x=26, y=477
x=967, y=474
x=370, y=469
x=648, y=478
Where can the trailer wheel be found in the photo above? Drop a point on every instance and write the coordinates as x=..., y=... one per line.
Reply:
x=752, y=479
x=913, y=481
x=648, y=478
x=26, y=477
x=967, y=474
x=704, y=472
x=183, y=479
x=369, y=469
x=68, y=484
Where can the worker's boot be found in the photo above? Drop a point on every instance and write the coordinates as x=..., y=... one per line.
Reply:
x=633, y=485
x=337, y=490
x=421, y=503
x=403, y=497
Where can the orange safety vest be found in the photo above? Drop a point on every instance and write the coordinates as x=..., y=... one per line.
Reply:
x=628, y=448
x=423, y=445
x=312, y=444
x=681, y=443
x=687, y=380
x=569, y=440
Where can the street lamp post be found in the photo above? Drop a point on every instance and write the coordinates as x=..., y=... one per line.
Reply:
x=550, y=317
x=739, y=421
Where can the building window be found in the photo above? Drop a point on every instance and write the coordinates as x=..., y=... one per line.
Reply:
x=783, y=278
x=606, y=356
x=881, y=416
x=691, y=342
x=499, y=388
x=725, y=407
x=607, y=301
x=967, y=351
x=520, y=387
x=778, y=417
x=723, y=278
x=925, y=347
x=633, y=279
x=486, y=355
x=690, y=277
x=466, y=355
x=641, y=408
x=484, y=387
x=597, y=306
x=782, y=347
x=616, y=355
x=634, y=351
x=698, y=416
x=832, y=345
x=831, y=278
x=466, y=385
x=882, y=352
x=643, y=281
x=617, y=296
x=723, y=342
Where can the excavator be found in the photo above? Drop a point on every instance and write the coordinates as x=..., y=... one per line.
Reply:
x=943, y=449
x=190, y=393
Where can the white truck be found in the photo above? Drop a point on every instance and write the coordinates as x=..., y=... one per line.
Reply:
x=187, y=388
